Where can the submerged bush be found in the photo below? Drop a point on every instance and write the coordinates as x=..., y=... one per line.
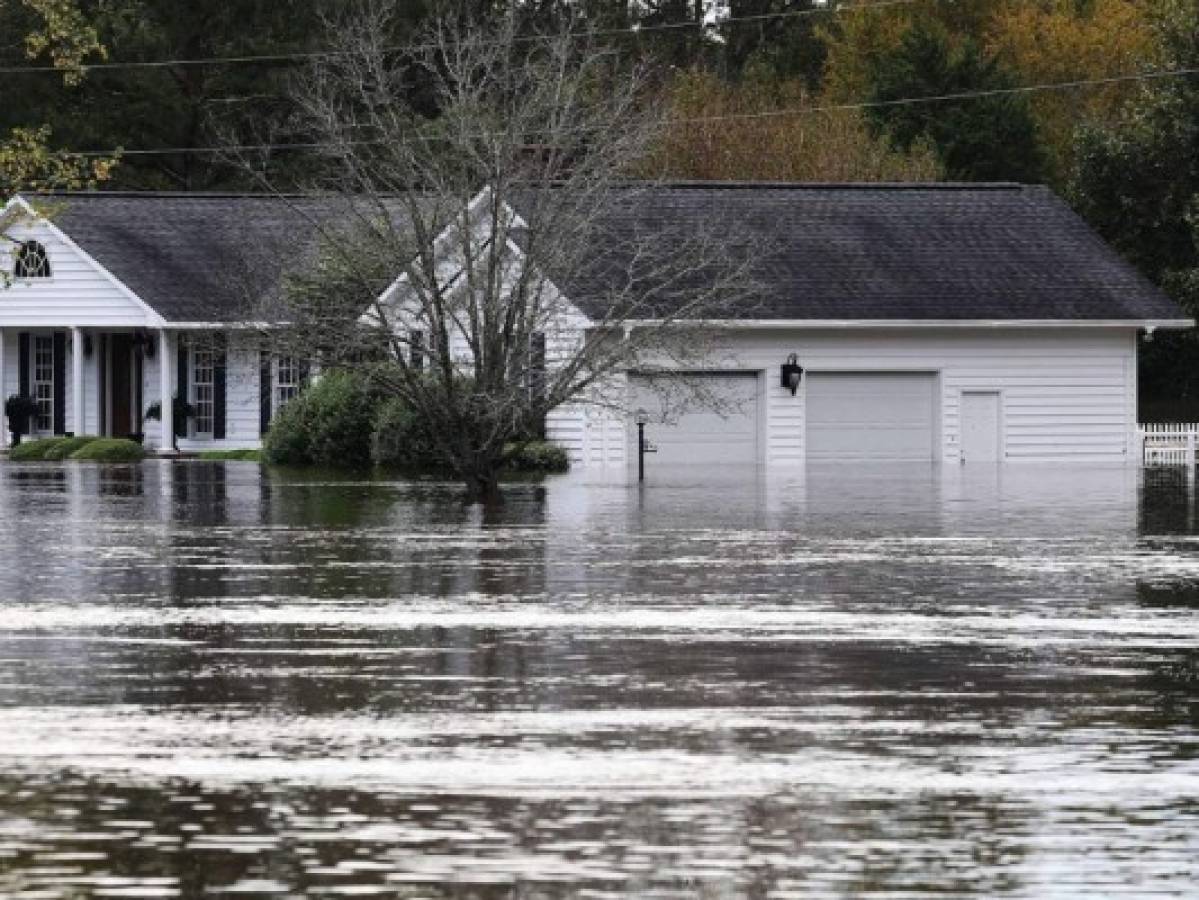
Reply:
x=110, y=450
x=329, y=424
x=31, y=450
x=65, y=447
x=398, y=441
x=538, y=456
x=232, y=455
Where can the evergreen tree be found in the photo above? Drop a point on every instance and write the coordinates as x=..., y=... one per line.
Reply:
x=978, y=138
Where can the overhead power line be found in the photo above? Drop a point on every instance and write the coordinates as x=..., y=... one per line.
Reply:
x=302, y=55
x=703, y=120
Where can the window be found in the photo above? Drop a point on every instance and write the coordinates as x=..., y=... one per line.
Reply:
x=32, y=261
x=43, y=382
x=287, y=380
x=204, y=390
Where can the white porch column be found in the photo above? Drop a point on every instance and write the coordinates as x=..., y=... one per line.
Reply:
x=3, y=393
x=77, y=381
x=166, y=390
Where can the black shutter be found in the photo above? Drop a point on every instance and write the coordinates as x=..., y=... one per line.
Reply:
x=103, y=363
x=23, y=362
x=181, y=368
x=537, y=379
x=264, y=391
x=60, y=381
x=220, y=346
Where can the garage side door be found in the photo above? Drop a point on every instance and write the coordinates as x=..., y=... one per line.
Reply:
x=688, y=427
x=870, y=416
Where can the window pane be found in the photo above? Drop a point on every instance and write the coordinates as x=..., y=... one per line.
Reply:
x=287, y=380
x=203, y=390
x=43, y=381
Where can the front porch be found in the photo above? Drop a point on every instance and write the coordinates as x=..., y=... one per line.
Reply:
x=103, y=380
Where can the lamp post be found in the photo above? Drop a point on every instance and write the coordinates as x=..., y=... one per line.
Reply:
x=643, y=446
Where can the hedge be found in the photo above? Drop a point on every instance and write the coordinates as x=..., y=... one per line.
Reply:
x=66, y=446
x=329, y=424
x=343, y=421
x=32, y=450
x=398, y=441
x=109, y=450
x=539, y=456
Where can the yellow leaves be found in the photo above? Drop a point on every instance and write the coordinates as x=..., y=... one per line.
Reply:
x=1062, y=40
x=65, y=35
x=702, y=142
x=853, y=40
x=28, y=164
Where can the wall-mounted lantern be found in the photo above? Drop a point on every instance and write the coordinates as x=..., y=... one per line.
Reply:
x=87, y=345
x=792, y=372
x=143, y=343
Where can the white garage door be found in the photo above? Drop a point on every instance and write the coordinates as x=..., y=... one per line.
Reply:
x=870, y=416
x=706, y=419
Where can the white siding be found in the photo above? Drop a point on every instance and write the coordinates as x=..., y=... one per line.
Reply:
x=241, y=398
x=1065, y=393
x=77, y=293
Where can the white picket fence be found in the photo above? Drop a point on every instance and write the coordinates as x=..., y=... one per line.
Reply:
x=1168, y=443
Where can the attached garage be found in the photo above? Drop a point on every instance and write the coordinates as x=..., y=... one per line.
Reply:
x=870, y=416
x=703, y=418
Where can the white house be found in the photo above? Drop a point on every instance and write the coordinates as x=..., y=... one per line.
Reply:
x=933, y=323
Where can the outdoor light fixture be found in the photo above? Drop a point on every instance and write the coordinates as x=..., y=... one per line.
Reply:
x=792, y=371
x=87, y=345
x=143, y=343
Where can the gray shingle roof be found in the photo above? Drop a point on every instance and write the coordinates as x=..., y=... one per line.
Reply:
x=192, y=258
x=842, y=252
x=901, y=252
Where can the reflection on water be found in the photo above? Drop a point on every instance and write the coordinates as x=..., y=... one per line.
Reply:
x=217, y=681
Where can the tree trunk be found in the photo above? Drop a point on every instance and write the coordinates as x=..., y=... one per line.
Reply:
x=483, y=486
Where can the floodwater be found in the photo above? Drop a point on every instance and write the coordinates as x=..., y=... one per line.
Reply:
x=217, y=681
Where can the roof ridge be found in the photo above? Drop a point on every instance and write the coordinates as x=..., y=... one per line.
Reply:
x=844, y=185
x=173, y=195
x=679, y=184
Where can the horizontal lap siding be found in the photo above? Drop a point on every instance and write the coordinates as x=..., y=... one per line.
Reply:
x=1064, y=394
x=76, y=293
x=241, y=398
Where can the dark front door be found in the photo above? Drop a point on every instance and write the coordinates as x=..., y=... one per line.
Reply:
x=121, y=390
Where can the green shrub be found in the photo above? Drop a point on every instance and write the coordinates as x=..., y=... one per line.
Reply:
x=329, y=424
x=31, y=450
x=66, y=446
x=538, y=456
x=398, y=441
x=287, y=443
x=233, y=455
x=109, y=450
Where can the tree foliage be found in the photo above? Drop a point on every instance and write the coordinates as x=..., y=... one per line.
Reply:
x=58, y=29
x=1137, y=182
x=1062, y=41
x=777, y=136
x=985, y=137
x=475, y=210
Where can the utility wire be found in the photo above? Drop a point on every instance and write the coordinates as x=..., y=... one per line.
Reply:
x=301, y=55
x=703, y=120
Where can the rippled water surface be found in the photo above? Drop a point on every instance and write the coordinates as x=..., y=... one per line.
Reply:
x=218, y=681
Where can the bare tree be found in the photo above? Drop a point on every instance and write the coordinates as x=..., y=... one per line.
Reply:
x=480, y=234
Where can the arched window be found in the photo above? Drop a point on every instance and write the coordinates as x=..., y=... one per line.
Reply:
x=32, y=261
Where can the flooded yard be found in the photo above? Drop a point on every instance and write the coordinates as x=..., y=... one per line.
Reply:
x=220, y=681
